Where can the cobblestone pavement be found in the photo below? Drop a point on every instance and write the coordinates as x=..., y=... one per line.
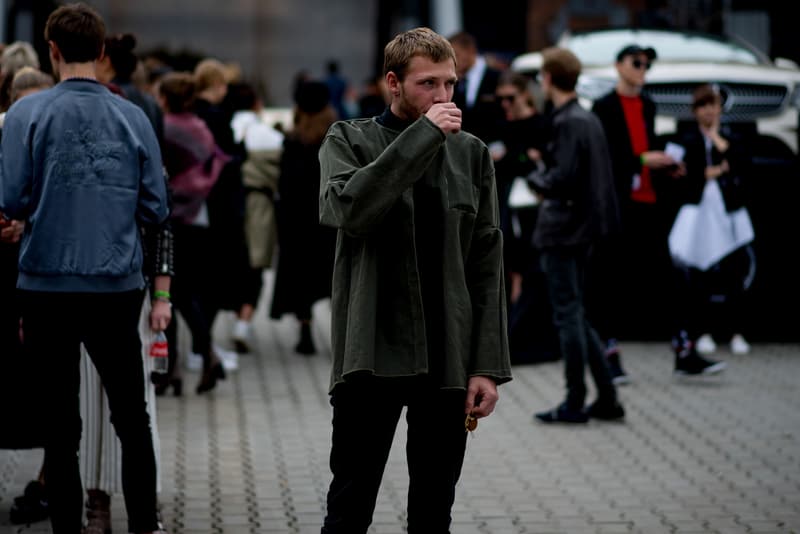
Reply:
x=717, y=454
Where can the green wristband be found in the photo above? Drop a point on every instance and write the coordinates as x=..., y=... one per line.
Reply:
x=641, y=158
x=160, y=293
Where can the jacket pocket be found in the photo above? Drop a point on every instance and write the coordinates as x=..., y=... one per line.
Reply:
x=462, y=197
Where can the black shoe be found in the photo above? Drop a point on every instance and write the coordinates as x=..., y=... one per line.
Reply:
x=689, y=362
x=618, y=375
x=562, y=414
x=209, y=379
x=31, y=506
x=162, y=384
x=306, y=343
x=605, y=411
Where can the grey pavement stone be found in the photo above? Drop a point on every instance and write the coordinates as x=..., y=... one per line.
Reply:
x=710, y=455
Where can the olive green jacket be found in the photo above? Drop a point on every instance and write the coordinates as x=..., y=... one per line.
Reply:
x=368, y=171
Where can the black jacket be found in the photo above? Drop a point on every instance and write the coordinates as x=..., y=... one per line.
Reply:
x=689, y=189
x=580, y=205
x=481, y=120
x=624, y=161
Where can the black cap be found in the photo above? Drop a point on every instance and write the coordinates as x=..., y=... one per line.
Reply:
x=635, y=50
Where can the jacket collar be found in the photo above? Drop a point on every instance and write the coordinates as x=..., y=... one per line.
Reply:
x=392, y=121
x=567, y=105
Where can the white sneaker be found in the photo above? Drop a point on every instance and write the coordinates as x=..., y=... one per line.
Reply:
x=739, y=345
x=229, y=358
x=705, y=344
x=243, y=336
x=194, y=361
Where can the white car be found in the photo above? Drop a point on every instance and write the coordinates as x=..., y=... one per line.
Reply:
x=755, y=90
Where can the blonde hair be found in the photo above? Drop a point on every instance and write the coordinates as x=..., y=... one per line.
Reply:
x=208, y=73
x=17, y=55
x=417, y=42
x=28, y=78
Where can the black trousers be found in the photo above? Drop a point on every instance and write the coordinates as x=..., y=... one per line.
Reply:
x=628, y=281
x=192, y=287
x=580, y=345
x=55, y=324
x=365, y=415
x=712, y=301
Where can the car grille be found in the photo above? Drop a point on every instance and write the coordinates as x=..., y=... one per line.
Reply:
x=740, y=101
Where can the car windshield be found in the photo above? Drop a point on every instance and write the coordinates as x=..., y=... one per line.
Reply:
x=600, y=48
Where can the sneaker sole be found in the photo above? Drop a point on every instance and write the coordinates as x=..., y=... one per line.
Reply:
x=710, y=370
x=715, y=369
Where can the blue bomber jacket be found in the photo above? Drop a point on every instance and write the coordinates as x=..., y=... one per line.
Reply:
x=83, y=168
x=373, y=179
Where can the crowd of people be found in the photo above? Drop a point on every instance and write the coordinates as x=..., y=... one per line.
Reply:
x=456, y=203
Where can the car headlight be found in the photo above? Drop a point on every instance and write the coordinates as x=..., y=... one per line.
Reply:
x=795, y=101
x=594, y=88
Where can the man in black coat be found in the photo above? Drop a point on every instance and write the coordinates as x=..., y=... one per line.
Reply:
x=474, y=93
x=578, y=209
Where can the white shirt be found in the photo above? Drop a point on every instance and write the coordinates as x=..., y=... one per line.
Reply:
x=474, y=78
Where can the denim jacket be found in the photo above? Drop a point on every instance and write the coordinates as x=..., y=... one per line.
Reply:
x=83, y=168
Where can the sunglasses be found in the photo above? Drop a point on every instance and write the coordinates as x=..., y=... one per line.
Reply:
x=639, y=64
x=506, y=98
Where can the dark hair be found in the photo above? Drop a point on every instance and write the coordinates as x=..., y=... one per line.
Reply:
x=78, y=32
x=463, y=40
x=241, y=96
x=519, y=81
x=705, y=94
x=563, y=66
x=178, y=89
x=119, y=49
x=312, y=96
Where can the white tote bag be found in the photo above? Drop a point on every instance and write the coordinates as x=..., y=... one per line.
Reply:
x=521, y=195
x=705, y=233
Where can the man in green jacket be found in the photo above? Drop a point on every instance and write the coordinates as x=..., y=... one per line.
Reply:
x=418, y=300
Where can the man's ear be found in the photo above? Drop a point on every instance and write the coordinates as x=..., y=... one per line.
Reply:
x=55, y=53
x=102, y=53
x=393, y=83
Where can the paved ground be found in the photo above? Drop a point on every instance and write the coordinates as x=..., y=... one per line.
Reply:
x=709, y=455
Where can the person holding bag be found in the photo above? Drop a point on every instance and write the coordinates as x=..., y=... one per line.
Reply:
x=194, y=163
x=710, y=240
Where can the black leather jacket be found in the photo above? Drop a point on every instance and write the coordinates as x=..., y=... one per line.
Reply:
x=580, y=203
x=158, y=247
